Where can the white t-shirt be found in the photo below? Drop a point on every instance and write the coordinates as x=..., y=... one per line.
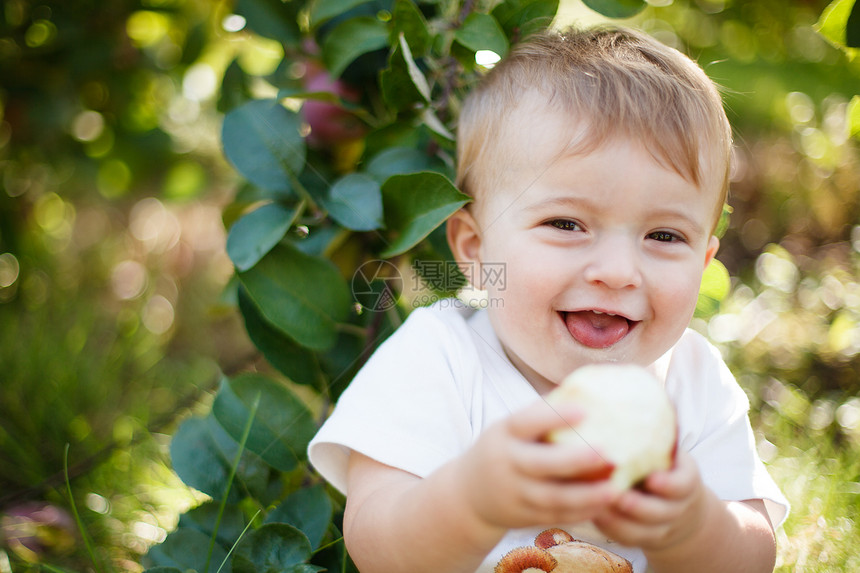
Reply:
x=426, y=394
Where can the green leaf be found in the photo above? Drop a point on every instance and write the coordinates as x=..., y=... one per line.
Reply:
x=252, y=473
x=482, y=32
x=202, y=453
x=355, y=202
x=854, y=116
x=418, y=79
x=715, y=286
x=833, y=24
x=324, y=10
x=196, y=458
x=317, y=177
x=616, y=8
x=415, y=204
x=403, y=84
x=716, y=282
x=272, y=18
x=235, y=88
x=254, y=235
x=397, y=160
x=261, y=139
x=319, y=241
x=283, y=425
x=434, y=124
x=341, y=362
x=350, y=39
x=187, y=549
x=521, y=18
x=273, y=548
x=308, y=509
x=163, y=570
x=295, y=362
x=203, y=517
x=408, y=20
x=723, y=222
x=301, y=295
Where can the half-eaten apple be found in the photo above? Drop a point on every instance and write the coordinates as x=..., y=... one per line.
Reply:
x=628, y=420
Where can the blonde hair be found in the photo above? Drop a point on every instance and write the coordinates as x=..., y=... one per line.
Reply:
x=615, y=81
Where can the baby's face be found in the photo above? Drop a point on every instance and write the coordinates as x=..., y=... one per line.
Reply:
x=603, y=253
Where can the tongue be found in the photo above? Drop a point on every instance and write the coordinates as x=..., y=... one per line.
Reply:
x=596, y=330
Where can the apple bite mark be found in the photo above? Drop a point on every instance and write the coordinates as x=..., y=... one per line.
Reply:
x=597, y=329
x=599, y=474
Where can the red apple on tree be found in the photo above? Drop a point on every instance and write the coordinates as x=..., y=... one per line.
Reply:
x=330, y=123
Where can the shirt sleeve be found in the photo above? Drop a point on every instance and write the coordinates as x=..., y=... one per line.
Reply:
x=404, y=408
x=713, y=420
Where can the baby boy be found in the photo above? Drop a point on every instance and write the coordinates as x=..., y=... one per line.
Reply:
x=598, y=163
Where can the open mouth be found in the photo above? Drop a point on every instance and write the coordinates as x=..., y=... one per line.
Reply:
x=596, y=329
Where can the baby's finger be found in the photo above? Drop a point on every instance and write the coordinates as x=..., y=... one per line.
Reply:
x=677, y=482
x=621, y=528
x=560, y=462
x=535, y=421
x=645, y=509
x=559, y=502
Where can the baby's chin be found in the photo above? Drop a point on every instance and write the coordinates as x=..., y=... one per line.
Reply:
x=557, y=374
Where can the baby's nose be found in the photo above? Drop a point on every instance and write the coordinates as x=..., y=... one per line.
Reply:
x=614, y=262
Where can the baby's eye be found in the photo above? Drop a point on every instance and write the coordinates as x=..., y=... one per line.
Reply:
x=665, y=236
x=565, y=224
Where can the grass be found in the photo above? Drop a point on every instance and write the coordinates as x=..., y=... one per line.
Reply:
x=821, y=534
x=83, y=373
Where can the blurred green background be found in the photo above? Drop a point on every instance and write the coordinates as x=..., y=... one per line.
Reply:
x=113, y=327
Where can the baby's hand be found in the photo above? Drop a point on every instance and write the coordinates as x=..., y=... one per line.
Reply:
x=670, y=508
x=512, y=478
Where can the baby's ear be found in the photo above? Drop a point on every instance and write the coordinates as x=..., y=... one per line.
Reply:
x=464, y=237
x=713, y=246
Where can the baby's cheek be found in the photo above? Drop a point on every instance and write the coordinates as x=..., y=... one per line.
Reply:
x=674, y=308
x=523, y=327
